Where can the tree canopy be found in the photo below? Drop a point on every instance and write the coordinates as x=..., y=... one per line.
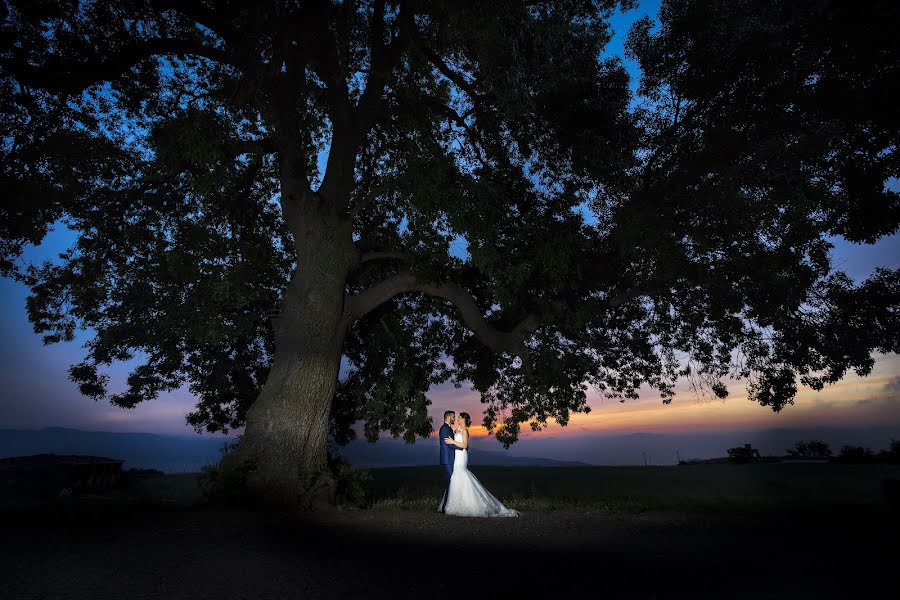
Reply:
x=605, y=245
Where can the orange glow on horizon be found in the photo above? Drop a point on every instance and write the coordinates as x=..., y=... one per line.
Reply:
x=853, y=401
x=474, y=431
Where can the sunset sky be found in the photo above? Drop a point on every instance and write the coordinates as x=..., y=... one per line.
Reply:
x=37, y=393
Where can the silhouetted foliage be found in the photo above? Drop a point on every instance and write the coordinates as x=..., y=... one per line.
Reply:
x=225, y=486
x=811, y=449
x=855, y=455
x=353, y=484
x=743, y=454
x=892, y=454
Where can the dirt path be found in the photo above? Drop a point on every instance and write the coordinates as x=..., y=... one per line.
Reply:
x=217, y=553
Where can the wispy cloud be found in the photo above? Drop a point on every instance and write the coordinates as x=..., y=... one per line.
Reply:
x=893, y=385
x=889, y=396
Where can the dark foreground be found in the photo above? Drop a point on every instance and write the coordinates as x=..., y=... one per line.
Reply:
x=96, y=550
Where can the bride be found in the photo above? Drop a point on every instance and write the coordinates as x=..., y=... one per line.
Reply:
x=466, y=497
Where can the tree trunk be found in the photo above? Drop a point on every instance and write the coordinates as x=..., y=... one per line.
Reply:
x=283, y=445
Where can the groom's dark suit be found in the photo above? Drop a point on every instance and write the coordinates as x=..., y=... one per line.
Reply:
x=448, y=453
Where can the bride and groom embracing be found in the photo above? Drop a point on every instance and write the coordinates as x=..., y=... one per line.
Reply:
x=464, y=496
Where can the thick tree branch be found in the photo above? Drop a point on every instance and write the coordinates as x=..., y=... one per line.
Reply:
x=322, y=48
x=353, y=124
x=383, y=60
x=449, y=73
x=324, y=56
x=75, y=76
x=384, y=255
x=406, y=281
x=196, y=11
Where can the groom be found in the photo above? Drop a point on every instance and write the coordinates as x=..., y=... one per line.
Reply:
x=448, y=453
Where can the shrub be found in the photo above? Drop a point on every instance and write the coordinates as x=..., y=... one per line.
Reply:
x=353, y=486
x=227, y=487
x=353, y=483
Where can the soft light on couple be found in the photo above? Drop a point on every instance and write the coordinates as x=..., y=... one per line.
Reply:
x=464, y=496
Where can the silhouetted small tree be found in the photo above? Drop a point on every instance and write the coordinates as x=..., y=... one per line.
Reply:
x=856, y=455
x=811, y=449
x=743, y=454
x=892, y=454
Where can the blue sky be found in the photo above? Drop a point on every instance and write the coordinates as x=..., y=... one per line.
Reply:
x=37, y=393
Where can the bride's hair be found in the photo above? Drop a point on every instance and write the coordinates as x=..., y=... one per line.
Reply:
x=465, y=417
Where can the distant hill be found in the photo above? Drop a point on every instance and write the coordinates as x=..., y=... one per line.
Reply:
x=169, y=453
x=667, y=448
x=186, y=454
x=388, y=452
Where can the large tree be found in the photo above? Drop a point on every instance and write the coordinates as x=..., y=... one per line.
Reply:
x=490, y=208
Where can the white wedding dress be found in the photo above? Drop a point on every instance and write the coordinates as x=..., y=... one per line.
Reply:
x=466, y=496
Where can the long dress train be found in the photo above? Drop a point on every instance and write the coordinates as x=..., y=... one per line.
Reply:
x=466, y=497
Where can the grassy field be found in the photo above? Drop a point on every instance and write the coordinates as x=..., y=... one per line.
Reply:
x=633, y=489
x=692, y=488
x=698, y=532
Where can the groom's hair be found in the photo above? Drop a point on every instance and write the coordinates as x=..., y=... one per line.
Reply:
x=448, y=413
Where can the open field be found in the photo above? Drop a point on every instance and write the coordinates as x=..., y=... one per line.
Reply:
x=714, y=489
x=703, y=531
x=708, y=488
